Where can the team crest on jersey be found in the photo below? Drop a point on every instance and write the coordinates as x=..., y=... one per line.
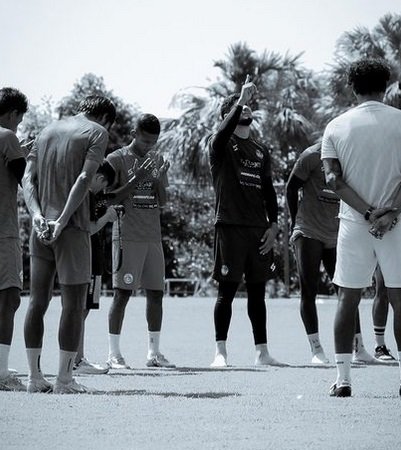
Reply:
x=259, y=154
x=128, y=278
x=224, y=270
x=235, y=147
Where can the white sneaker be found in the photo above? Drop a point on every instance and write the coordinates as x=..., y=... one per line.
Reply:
x=11, y=383
x=320, y=358
x=219, y=361
x=264, y=359
x=84, y=367
x=159, y=360
x=117, y=362
x=71, y=387
x=39, y=385
x=362, y=357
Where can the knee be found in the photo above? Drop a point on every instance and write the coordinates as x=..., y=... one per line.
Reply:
x=120, y=299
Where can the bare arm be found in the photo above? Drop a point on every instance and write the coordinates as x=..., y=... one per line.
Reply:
x=109, y=216
x=334, y=179
x=294, y=184
x=29, y=185
x=76, y=196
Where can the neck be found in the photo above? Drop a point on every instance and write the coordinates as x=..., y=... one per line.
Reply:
x=242, y=131
x=375, y=97
x=134, y=150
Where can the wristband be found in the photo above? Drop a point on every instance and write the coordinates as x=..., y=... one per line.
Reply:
x=368, y=213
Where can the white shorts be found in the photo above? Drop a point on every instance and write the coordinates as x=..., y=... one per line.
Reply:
x=358, y=253
x=142, y=266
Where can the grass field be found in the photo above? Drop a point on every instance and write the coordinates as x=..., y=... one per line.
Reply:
x=194, y=407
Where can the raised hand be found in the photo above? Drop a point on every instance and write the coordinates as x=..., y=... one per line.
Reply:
x=247, y=91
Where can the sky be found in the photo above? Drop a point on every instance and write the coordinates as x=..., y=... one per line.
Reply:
x=148, y=50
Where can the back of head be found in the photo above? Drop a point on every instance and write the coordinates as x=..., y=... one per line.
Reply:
x=148, y=123
x=227, y=104
x=98, y=106
x=12, y=100
x=369, y=76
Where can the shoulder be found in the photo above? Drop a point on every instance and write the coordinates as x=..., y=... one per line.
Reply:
x=8, y=136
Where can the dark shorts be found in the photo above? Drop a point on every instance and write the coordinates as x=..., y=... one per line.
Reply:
x=10, y=263
x=236, y=253
x=71, y=254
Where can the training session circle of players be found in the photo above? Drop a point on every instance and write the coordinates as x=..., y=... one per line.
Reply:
x=345, y=219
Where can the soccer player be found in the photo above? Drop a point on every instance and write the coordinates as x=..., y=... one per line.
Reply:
x=314, y=225
x=141, y=255
x=362, y=161
x=102, y=211
x=61, y=165
x=245, y=194
x=13, y=106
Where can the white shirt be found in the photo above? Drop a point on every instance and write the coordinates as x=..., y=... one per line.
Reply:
x=367, y=142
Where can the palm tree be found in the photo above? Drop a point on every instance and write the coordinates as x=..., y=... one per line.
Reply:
x=383, y=41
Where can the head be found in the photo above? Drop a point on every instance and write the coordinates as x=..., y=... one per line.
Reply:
x=13, y=106
x=146, y=133
x=369, y=76
x=227, y=105
x=103, y=178
x=98, y=108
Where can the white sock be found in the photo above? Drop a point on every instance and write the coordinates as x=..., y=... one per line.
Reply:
x=358, y=343
x=4, y=353
x=114, y=345
x=314, y=342
x=262, y=348
x=379, y=335
x=66, y=363
x=33, y=355
x=153, y=343
x=343, y=363
x=221, y=348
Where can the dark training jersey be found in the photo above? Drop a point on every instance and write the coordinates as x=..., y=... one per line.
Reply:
x=241, y=174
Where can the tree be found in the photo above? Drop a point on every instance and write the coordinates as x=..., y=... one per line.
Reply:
x=90, y=84
x=383, y=41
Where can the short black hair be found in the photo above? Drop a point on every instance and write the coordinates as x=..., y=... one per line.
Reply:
x=369, y=76
x=149, y=123
x=227, y=104
x=12, y=99
x=108, y=172
x=98, y=106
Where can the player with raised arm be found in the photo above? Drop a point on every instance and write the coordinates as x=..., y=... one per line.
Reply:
x=245, y=223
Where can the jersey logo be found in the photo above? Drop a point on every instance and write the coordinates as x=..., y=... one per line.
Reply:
x=235, y=147
x=259, y=154
x=224, y=270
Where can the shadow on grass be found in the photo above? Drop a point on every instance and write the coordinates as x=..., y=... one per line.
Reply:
x=189, y=395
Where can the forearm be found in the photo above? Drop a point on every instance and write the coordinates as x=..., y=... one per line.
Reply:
x=77, y=194
x=292, y=203
x=349, y=196
x=96, y=226
x=227, y=127
x=31, y=197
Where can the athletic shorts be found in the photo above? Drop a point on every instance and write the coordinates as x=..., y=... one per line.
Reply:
x=142, y=265
x=71, y=253
x=10, y=263
x=93, y=295
x=236, y=253
x=358, y=253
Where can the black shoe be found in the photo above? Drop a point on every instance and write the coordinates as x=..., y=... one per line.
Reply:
x=340, y=391
x=382, y=353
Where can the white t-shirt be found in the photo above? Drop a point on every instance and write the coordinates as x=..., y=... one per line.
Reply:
x=367, y=142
